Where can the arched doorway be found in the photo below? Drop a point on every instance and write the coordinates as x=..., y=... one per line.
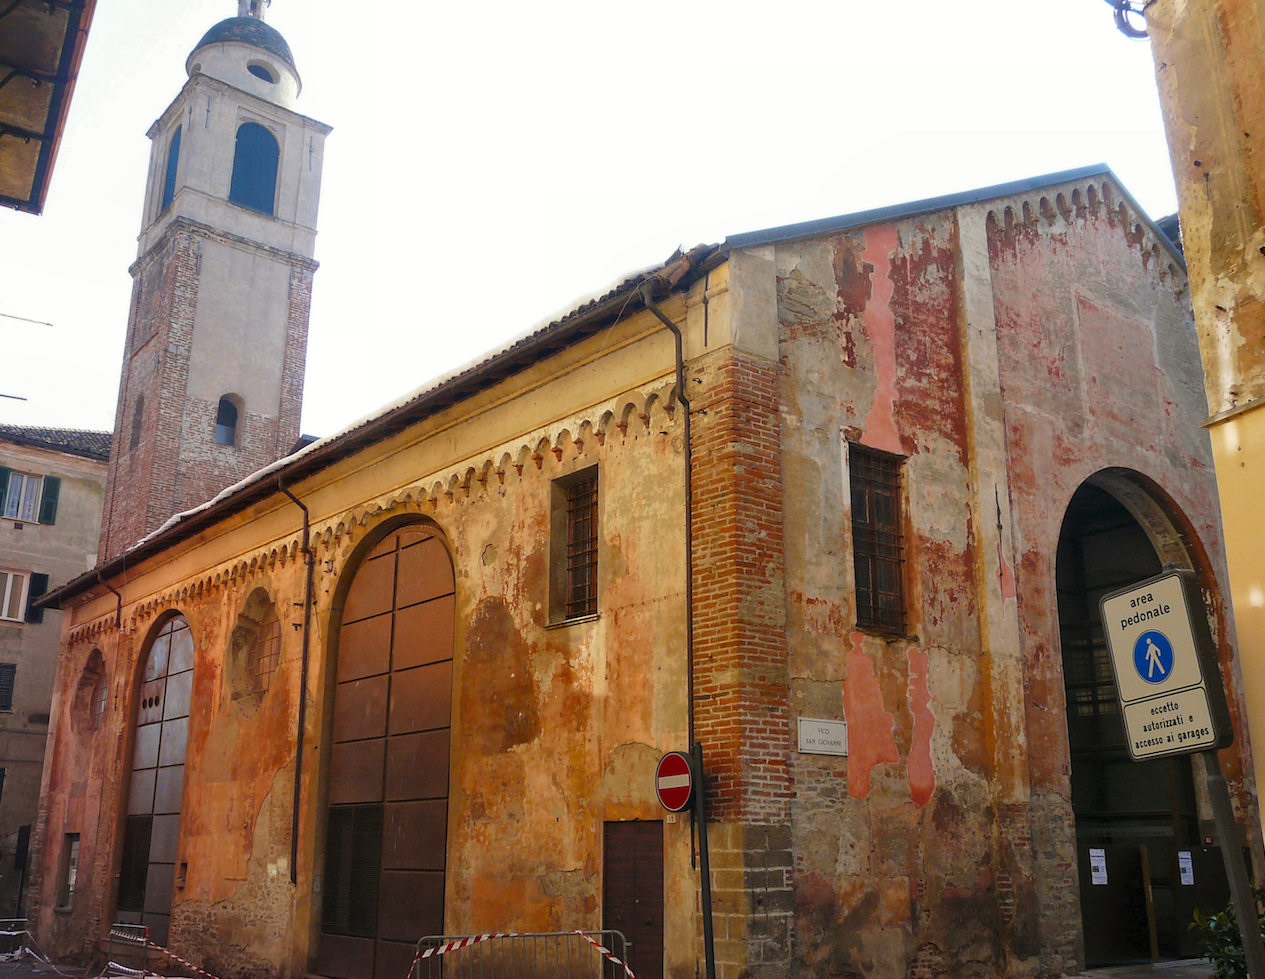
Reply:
x=151, y=828
x=386, y=830
x=1132, y=818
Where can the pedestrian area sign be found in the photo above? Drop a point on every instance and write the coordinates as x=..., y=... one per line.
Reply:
x=1171, y=698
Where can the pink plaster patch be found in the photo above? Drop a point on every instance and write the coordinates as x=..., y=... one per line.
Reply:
x=1005, y=577
x=880, y=324
x=870, y=738
x=922, y=777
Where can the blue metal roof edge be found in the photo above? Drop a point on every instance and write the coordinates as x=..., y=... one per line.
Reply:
x=893, y=212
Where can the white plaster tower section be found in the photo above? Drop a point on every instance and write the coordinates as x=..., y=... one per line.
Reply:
x=212, y=382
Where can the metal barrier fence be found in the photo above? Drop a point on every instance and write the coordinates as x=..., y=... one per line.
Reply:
x=12, y=934
x=541, y=955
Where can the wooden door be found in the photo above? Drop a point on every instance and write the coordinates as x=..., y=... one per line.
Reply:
x=632, y=892
x=386, y=837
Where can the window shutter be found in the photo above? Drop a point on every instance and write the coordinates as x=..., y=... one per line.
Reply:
x=4, y=485
x=39, y=585
x=8, y=671
x=48, y=502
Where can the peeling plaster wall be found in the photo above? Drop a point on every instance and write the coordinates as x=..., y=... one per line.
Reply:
x=1098, y=377
x=556, y=729
x=1009, y=351
x=892, y=858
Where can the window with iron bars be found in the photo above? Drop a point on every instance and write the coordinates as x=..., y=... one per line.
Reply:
x=573, y=564
x=878, y=546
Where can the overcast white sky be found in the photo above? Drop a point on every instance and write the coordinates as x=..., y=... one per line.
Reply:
x=490, y=162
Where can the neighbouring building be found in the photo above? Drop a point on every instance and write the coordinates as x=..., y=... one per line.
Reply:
x=41, y=47
x=414, y=679
x=1210, y=67
x=212, y=380
x=51, y=485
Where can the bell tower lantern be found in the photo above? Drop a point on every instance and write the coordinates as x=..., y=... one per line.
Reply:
x=213, y=364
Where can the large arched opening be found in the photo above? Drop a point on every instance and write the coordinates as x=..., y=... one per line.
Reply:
x=390, y=709
x=149, y=871
x=1137, y=823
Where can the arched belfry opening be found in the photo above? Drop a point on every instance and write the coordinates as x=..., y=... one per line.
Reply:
x=387, y=728
x=1136, y=822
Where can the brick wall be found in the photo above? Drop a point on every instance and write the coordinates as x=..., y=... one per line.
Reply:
x=740, y=646
x=177, y=463
x=740, y=672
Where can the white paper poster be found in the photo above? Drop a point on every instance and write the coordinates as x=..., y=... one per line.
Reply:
x=1186, y=867
x=1097, y=866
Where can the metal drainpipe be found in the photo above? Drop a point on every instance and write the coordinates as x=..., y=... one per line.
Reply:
x=309, y=560
x=696, y=749
x=118, y=600
x=648, y=299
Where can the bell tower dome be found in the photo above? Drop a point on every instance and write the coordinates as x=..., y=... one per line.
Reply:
x=213, y=364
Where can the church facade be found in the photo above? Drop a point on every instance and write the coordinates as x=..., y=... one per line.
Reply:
x=870, y=472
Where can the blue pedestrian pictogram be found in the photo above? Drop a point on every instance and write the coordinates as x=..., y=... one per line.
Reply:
x=1153, y=656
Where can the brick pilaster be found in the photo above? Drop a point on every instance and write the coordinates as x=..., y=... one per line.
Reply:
x=740, y=671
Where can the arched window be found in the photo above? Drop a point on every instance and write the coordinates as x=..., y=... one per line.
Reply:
x=138, y=418
x=255, y=158
x=151, y=827
x=226, y=422
x=88, y=705
x=254, y=649
x=173, y=160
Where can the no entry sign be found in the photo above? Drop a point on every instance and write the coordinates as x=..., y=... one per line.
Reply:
x=674, y=781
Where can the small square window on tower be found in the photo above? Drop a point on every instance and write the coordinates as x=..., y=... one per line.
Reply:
x=573, y=547
x=878, y=544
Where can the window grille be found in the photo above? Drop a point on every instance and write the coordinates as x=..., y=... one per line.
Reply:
x=581, y=557
x=877, y=539
x=265, y=651
x=100, y=693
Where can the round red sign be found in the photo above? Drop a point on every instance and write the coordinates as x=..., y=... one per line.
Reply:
x=674, y=781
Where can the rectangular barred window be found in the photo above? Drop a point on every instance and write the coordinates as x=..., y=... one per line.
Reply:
x=573, y=547
x=582, y=546
x=69, y=870
x=877, y=539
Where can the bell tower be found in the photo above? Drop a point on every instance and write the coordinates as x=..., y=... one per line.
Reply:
x=213, y=363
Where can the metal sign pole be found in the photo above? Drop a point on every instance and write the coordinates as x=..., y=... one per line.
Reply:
x=700, y=817
x=1236, y=872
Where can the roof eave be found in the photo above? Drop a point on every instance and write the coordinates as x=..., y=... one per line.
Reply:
x=532, y=350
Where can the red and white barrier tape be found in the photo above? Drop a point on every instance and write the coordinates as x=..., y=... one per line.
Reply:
x=148, y=942
x=607, y=954
x=443, y=949
x=452, y=946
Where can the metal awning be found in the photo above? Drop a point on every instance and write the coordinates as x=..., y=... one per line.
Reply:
x=41, y=46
